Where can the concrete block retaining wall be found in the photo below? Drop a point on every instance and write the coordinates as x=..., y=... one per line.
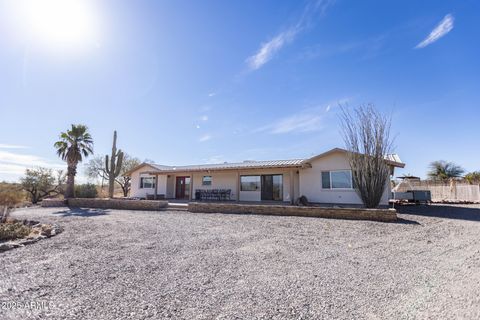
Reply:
x=386, y=215
x=106, y=203
x=47, y=203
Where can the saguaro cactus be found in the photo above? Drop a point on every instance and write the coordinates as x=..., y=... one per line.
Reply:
x=113, y=165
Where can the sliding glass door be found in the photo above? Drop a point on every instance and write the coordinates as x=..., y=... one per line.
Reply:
x=272, y=187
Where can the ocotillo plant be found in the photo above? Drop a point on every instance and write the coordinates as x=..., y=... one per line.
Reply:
x=113, y=166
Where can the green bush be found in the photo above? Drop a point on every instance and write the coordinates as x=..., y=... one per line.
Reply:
x=88, y=190
x=11, y=231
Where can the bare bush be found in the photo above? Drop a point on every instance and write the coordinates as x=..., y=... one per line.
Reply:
x=366, y=133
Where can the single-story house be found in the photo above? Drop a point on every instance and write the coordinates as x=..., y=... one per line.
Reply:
x=325, y=178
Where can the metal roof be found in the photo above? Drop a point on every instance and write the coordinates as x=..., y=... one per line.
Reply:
x=392, y=159
x=295, y=163
x=395, y=160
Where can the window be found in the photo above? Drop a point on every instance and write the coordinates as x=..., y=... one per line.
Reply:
x=250, y=183
x=339, y=179
x=147, y=182
x=207, y=181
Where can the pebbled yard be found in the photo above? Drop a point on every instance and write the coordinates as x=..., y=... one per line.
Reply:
x=110, y=264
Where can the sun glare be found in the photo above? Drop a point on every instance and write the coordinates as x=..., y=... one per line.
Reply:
x=59, y=24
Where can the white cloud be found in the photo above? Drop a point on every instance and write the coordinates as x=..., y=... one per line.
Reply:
x=205, y=137
x=296, y=123
x=204, y=118
x=444, y=27
x=212, y=94
x=12, y=169
x=11, y=146
x=268, y=49
x=13, y=165
x=336, y=103
x=24, y=159
x=197, y=126
x=307, y=120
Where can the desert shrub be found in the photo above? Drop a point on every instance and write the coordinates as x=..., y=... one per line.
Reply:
x=10, y=231
x=88, y=190
x=10, y=194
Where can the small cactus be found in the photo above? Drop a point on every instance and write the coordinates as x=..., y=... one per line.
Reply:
x=113, y=165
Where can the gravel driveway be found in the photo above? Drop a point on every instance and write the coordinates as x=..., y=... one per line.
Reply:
x=137, y=265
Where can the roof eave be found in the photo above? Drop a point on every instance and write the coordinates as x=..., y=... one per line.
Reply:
x=299, y=166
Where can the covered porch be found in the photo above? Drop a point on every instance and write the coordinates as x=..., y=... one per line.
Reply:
x=266, y=185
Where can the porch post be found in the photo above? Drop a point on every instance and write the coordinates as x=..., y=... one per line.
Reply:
x=156, y=187
x=292, y=187
x=190, y=197
x=238, y=187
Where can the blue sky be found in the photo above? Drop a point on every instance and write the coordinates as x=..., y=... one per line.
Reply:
x=187, y=82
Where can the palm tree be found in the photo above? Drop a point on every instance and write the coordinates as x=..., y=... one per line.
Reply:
x=73, y=146
x=443, y=170
x=473, y=177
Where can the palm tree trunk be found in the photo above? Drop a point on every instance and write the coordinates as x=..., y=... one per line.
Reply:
x=70, y=190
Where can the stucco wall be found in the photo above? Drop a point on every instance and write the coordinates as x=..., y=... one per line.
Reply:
x=136, y=191
x=220, y=180
x=311, y=182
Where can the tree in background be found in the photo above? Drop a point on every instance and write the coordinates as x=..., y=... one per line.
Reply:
x=473, y=177
x=366, y=133
x=74, y=145
x=124, y=181
x=41, y=183
x=95, y=168
x=444, y=171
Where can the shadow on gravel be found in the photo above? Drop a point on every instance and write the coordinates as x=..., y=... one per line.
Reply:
x=80, y=212
x=406, y=221
x=442, y=211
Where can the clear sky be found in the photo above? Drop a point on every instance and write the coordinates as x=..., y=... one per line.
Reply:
x=188, y=82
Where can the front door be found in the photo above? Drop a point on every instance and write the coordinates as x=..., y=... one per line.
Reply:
x=182, y=188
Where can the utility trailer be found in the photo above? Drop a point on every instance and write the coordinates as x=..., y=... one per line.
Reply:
x=413, y=196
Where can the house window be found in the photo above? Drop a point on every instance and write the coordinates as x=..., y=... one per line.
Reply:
x=249, y=183
x=338, y=179
x=147, y=182
x=207, y=181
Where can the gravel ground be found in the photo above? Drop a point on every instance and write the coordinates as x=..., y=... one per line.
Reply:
x=137, y=265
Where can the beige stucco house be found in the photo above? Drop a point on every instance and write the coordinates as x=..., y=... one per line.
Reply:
x=325, y=178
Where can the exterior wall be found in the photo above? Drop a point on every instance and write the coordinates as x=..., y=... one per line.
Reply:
x=220, y=180
x=136, y=191
x=228, y=180
x=307, y=182
x=170, y=194
x=311, y=182
x=256, y=195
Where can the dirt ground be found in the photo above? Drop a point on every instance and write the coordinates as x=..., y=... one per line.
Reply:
x=110, y=264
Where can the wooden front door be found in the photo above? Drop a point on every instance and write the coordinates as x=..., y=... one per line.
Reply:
x=182, y=188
